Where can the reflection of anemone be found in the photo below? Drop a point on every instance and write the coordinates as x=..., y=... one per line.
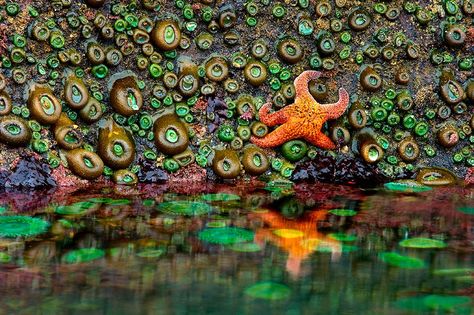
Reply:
x=22, y=226
x=245, y=247
x=220, y=197
x=226, y=236
x=5, y=258
x=151, y=253
x=397, y=260
x=268, y=291
x=406, y=186
x=453, y=272
x=83, y=255
x=216, y=224
x=422, y=242
x=441, y=303
x=343, y=212
x=343, y=237
x=118, y=202
x=291, y=208
x=466, y=210
x=325, y=248
x=78, y=208
x=100, y=199
x=183, y=207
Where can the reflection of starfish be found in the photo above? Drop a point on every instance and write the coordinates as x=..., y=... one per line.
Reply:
x=302, y=119
x=302, y=237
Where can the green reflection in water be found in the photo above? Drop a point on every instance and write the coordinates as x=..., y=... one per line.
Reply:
x=184, y=207
x=401, y=261
x=226, y=236
x=83, y=255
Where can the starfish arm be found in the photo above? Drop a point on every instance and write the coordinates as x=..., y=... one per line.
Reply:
x=277, y=137
x=320, y=140
x=301, y=83
x=272, y=119
x=335, y=110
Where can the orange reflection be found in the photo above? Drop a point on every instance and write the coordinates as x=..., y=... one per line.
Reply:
x=299, y=238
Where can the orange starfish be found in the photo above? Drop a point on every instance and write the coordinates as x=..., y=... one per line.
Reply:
x=302, y=119
x=299, y=238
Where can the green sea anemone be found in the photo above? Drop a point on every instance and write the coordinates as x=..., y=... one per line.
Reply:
x=226, y=236
x=184, y=207
x=22, y=226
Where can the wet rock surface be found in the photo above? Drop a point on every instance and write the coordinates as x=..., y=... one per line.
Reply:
x=29, y=173
x=150, y=174
x=342, y=170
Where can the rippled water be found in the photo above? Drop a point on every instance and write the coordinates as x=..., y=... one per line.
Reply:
x=318, y=249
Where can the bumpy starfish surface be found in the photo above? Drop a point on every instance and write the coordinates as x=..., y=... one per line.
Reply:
x=302, y=119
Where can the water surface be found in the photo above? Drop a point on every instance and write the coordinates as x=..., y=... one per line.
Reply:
x=180, y=249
